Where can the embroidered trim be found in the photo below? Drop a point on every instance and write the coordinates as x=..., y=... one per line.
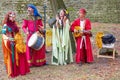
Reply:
x=41, y=60
x=38, y=61
x=30, y=61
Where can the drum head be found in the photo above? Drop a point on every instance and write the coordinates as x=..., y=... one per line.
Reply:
x=32, y=40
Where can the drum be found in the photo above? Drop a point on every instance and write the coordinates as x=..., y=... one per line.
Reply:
x=36, y=41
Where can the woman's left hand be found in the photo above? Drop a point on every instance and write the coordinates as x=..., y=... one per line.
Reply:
x=37, y=32
x=41, y=27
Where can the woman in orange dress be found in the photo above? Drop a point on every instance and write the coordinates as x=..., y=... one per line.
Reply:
x=15, y=61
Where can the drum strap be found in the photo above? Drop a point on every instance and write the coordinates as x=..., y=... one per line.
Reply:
x=35, y=26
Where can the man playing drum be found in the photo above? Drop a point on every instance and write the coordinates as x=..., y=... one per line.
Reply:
x=32, y=26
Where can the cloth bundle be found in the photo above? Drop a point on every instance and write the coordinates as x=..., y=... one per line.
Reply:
x=20, y=45
x=98, y=39
x=108, y=39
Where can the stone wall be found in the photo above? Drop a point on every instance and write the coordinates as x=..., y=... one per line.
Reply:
x=97, y=10
x=20, y=7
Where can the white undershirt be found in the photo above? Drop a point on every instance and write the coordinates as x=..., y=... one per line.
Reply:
x=82, y=25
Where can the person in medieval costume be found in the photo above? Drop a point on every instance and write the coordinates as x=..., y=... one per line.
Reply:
x=13, y=47
x=61, y=45
x=33, y=24
x=83, y=43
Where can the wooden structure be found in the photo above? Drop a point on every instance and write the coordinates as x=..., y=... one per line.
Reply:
x=111, y=46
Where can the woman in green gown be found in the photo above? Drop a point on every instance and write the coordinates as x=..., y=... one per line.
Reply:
x=61, y=44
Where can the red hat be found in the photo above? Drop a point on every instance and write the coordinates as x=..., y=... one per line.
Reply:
x=82, y=10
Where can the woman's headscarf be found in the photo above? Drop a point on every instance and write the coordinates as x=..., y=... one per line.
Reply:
x=35, y=13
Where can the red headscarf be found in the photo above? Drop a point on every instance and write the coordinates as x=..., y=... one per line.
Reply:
x=82, y=10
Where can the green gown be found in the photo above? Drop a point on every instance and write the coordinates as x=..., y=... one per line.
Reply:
x=61, y=45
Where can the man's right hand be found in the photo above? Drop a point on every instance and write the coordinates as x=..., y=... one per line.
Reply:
x=27, y=33
x=75, y=31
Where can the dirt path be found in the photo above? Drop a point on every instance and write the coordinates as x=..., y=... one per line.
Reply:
x=101, y=69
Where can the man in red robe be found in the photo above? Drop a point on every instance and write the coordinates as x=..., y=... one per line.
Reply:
x=30, y=26
x=83, y=43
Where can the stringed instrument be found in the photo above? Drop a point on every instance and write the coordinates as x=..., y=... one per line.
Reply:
x=78, y=33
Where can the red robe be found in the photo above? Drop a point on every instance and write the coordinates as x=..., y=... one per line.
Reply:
x=34, y=57
x=85, y=53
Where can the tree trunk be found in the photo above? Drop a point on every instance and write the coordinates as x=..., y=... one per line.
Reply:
x=56, y=5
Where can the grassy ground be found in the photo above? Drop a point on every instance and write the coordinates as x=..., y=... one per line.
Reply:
x=101, y=69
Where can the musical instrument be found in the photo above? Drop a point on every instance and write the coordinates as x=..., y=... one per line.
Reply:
x=51, y=22
x=78, y=33
x=36, y=41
